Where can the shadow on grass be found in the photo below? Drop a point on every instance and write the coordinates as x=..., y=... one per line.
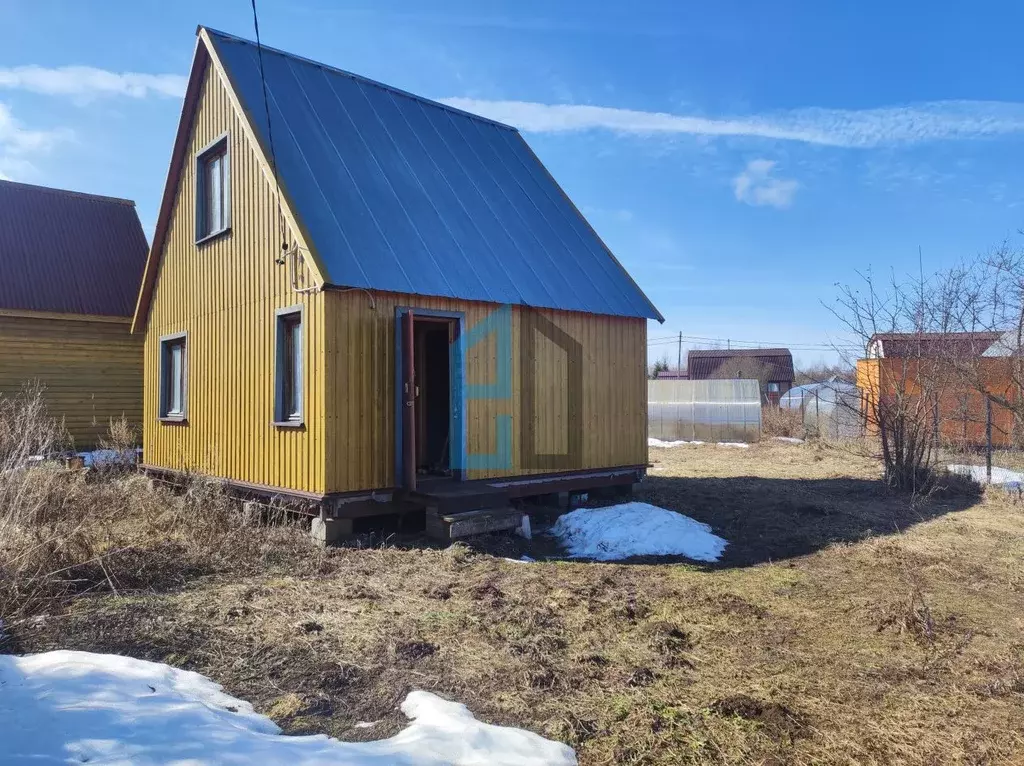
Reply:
x=772, y=519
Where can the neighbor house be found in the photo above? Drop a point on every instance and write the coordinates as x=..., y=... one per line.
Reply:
x=957, y=373
x=70, y=268
x=354, y=291
x=771, y=367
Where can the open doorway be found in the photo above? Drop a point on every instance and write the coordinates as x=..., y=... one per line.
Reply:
x=432, y=341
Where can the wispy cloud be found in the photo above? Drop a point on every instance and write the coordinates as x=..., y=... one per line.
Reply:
x=18, y=144
x=913, y=123
x=757, y=186
x=89, y=82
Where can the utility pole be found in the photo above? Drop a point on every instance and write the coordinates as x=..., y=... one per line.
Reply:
x=679, y=358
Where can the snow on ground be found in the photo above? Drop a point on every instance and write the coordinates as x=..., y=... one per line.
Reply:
x=978, y=473
x=652, y=442
x=737, y=445
x=788, y=439
x=106, y=710
x=635, y=529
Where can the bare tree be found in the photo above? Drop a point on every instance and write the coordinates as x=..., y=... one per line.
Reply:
x=899, y=394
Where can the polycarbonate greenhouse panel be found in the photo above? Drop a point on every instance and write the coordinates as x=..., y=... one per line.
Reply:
x=704, y=410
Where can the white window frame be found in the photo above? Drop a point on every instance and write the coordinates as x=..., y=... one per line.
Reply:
x=218, y=147
x=282, y=319
x=166, y=342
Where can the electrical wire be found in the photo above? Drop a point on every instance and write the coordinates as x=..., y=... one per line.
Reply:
x=270, y=131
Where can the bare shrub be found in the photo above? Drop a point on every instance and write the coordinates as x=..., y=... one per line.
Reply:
x=782, y=421
x=65, y=531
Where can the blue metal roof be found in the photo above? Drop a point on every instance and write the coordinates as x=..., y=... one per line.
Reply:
x=404, y=194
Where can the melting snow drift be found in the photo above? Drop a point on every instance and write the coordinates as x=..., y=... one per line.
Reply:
x=977, y=472
x=636, y=529
x=652, y=442
x=106, y=710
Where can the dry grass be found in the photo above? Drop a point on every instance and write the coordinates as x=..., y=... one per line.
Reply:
x=846, y=625
x=782, y=421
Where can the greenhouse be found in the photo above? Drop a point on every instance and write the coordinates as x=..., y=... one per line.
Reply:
x=830, y=410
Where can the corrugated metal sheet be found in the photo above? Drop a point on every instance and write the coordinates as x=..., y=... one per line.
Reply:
x=403, y=194
x=68, y=252
x=704, y=410
x=933, y=344
x=775, y=363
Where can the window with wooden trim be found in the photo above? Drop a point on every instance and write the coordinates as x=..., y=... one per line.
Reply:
x=213, y=190
x=289, y=367
x=174, y=377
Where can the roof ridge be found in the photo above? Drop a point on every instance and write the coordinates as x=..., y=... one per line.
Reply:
x=360, y=78
x=70, y=192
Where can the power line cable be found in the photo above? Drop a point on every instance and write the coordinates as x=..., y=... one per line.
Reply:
x=270, y=132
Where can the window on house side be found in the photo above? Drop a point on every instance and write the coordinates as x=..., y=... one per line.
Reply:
x=213, y=191
x=289, y=367
x=773, y=388
x=173, y=374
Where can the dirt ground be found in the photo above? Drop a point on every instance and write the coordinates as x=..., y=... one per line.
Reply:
x=843, y=625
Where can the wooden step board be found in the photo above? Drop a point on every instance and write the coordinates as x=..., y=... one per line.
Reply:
x=451, y=526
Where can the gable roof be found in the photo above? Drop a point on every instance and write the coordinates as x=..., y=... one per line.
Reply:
x=934, y=344
x=702, y=364
x=395, y=192
x=68, y=252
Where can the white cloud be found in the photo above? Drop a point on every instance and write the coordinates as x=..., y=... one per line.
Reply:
x=757, y=186
x=913, y=123
x=18, y=144
x=86, y=82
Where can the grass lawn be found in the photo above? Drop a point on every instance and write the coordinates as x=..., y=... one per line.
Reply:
x=842, y=625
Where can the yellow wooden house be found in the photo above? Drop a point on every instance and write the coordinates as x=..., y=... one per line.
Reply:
x=355, y=292
x=70, y=269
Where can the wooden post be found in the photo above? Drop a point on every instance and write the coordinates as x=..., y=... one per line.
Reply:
x=988, y=439
x=409, y=400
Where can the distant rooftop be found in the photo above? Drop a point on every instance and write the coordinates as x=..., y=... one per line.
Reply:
x=68, y=252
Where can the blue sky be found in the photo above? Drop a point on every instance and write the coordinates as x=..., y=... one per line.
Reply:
x=739, y=158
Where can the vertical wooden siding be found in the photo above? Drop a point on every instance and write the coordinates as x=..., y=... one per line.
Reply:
x=92, y=371
x=360, y=388
x=224, y=294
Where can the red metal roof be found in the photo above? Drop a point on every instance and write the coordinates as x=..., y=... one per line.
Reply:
x=68, y=252
x=933, y=344
x=704, y=364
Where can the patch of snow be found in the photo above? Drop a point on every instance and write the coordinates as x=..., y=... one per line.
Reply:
x=524, y=559
x=737, y=445
x=652, y=442
x=106, y=710
x=635, y=529
x=366, y=724
x=524, y=530
x=788, y=439
x=978, y=473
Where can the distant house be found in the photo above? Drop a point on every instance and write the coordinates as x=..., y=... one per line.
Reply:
x=70, y=268
x=771, y=367
x=408, y=303
x=929, y=345
x=673, y=375
x=957, y=370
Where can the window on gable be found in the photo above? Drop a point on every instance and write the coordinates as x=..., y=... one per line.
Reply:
x=213, y=190
x=289, y=367
x=173, y=377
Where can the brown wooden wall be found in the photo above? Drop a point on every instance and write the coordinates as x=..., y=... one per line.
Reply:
x=91, y=370
x=224, y=294
x=360, y=388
